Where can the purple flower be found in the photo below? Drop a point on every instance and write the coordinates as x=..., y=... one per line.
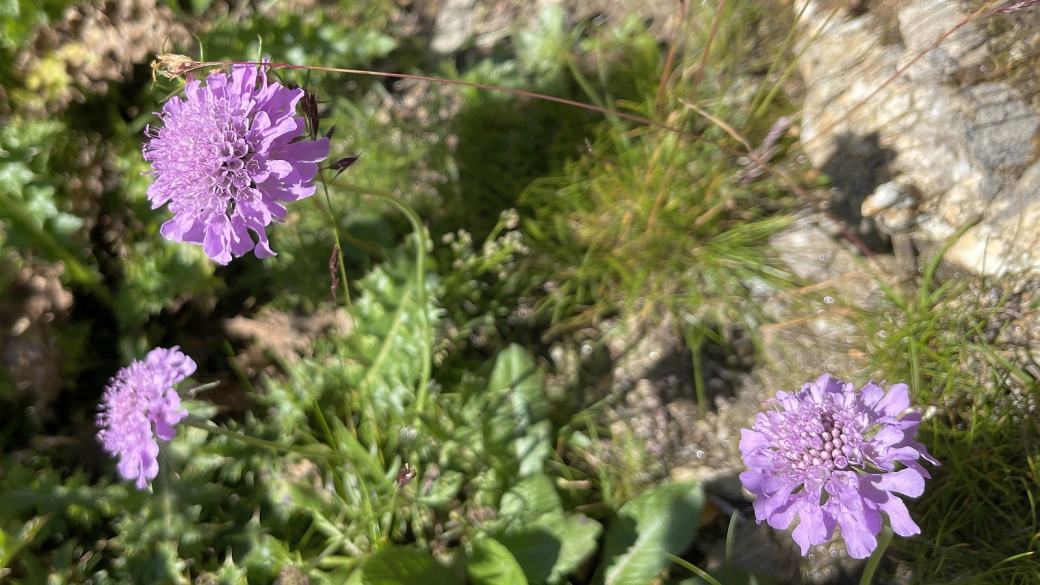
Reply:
x=139, y=404
x=227, y=157
x=829, y=455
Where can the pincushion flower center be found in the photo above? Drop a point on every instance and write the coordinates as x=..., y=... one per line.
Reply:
x=235, y=165
x=830, y=444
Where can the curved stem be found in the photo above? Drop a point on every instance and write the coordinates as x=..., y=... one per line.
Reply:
x=194, y=421
x=875, y=557
x=420, y=278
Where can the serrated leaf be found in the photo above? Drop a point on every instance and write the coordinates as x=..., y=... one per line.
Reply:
x=388, y=337
x=10, y=546
x=492, y=564
x=401, y=565
x=662, y=520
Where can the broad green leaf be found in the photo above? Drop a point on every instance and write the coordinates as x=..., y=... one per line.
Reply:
x=492, y=564
x=662, y=520
x=517, y=374
x=536, y=549
x=402, y=565
x=531, y=498
x=533, y=448
x=511, y=415
x=579, y=539
x=552, y=547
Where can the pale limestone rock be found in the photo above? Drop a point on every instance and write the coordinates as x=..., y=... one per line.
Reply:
x=960, y=148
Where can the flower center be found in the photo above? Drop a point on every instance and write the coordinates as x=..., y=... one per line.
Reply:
x=235, y=165
x=830, y=444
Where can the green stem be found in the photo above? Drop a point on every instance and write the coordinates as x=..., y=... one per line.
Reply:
x=339, y=247
x=194, y=421
x=875, y=558
x=420, y=278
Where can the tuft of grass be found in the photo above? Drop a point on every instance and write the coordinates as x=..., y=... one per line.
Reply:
x=646, y=220
x=950, y=342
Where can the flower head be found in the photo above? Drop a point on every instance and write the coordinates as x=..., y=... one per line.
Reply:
x=139, y=404
x=829, y=455
x=227, y=157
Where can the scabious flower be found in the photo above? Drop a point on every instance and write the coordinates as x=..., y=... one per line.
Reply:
x=139, y=404
x=834, y=456
x=227, y=157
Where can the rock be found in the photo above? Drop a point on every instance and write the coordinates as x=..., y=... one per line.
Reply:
x=923, y=22
x=456, y=21
x=893, y=206
x=886, y=196
x=960, y=147
x=1008, y=240
x=1001, y=133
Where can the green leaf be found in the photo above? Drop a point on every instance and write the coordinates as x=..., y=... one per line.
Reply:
x=517, y=374
x=388, y=337
x=443, y=489
x=402, y=565
x=530, y=499
x=662, y=520
x=532, y=449
x=536, y=549
x=492, y=564
x=579, y=539
x=10, y=547
x=512, y=413
x=554, y=546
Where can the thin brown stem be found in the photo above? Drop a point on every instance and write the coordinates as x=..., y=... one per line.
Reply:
x=707, y=50
x=184, y=65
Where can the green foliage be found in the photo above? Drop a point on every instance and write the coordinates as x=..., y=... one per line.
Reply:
x=36, y=216
x=953, y=343
x=157, y=273
x=547, y=543
x=660, y=522
x=403, y=566
x=491, y=563
x=19, y=19
x=331, y=38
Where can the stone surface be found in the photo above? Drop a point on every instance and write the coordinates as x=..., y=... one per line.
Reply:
x=454, y=26
x=1008, y=240
x=960, y=148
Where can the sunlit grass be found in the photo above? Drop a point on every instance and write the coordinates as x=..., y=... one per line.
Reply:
x=978, y=515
